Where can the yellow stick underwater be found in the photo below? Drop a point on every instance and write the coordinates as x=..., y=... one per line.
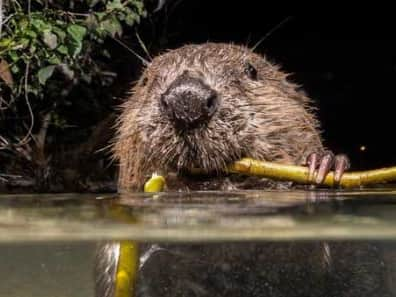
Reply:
x=128, y=259
x=128, y=265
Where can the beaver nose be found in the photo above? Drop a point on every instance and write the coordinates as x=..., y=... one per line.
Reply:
x=189, y=102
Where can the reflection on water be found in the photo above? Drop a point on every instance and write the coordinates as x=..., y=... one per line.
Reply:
x=270, y=269
x=299, y=243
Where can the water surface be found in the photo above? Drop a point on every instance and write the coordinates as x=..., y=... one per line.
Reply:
x=250, y=243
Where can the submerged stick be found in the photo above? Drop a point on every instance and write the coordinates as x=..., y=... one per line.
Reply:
x=123, y=256
x=299, y=174
x=127, y=268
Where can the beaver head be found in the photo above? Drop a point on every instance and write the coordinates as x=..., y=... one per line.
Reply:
x=206, y=105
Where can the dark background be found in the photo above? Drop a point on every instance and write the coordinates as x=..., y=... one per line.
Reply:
x=347, y=64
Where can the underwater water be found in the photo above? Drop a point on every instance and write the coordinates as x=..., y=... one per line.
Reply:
x=248, y=243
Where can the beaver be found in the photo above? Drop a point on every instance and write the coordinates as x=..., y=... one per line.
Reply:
x=204, y=106
x=207, y=105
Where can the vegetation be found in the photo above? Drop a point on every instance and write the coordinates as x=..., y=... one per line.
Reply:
x=58, y=61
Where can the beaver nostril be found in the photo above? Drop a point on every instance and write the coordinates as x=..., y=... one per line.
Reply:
x=211, y=104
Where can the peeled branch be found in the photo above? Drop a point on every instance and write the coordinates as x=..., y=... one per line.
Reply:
x=128, y=250
x=293, y=173
x=155, y=184
x=299, y=174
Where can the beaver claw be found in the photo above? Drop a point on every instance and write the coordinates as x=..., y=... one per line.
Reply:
x=323, y=163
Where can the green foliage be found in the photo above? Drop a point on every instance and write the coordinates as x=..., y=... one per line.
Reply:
x=56, y=73
x=51, y=41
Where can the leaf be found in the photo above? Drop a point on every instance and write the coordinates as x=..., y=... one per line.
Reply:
x=4, y=42
x=59, y=32
x=54, y=60
x=14, y=56
x=100, y=15
x=112, y=26
x=115, y=4
x=23, y=24
x=77, y=32
x=30, y=34
x=62, y=49
x=140, y=6
x=74, y=47
x=45, y=73
x=50, y=39
x=5, y=73
x=24, y=42
x=40, y=25
x=130, y=18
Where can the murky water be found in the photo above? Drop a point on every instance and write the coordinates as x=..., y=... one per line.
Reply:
x=254, y=243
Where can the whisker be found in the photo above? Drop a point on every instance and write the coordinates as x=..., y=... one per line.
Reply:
x=143, y=60
x=270, y=32
x=143, y=46
x=252, y=104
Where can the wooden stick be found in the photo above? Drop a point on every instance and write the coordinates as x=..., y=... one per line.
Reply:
x=299, y=174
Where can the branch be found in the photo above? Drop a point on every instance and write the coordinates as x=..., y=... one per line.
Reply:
x=1, y=15
x=28, y=135
x=293, y=173
x=299, y=174
x=41, y=136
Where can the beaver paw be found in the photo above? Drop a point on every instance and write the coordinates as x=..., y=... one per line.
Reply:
x=323, y=163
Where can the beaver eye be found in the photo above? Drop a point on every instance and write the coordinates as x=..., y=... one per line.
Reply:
x=144, y=81
x=250, y=71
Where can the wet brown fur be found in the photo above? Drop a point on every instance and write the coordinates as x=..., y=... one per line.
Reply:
x=268, y=118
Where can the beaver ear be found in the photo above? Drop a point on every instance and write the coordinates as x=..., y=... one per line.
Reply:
x=250, y=71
